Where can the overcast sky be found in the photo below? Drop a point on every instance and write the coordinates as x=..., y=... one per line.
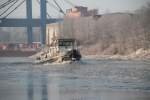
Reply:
x=103, y=6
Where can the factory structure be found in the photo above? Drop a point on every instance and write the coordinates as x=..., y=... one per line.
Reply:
x=48, y=26
x=53, y=30
x=9, y=7
x=52, y=33
x=80, y=11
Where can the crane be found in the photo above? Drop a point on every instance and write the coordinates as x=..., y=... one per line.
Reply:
x=9, y=6
x=70, y=3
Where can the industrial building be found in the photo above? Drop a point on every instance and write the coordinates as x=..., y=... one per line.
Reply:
x=53, y=30
x=80, y=11
x=52, y=33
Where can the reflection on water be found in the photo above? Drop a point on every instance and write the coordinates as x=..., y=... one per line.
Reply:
x=30, y=86
x=90, y=79
x=44, y=87
x=49, y=89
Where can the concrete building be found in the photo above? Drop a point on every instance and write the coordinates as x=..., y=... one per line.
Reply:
x=80, y=11
x=52, y=33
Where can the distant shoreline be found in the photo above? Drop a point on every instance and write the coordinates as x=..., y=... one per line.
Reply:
x=16, y=53
x=140, y=54
x=113, y=57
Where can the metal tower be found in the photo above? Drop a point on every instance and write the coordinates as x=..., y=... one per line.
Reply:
x=29, y=23
x=43, y=20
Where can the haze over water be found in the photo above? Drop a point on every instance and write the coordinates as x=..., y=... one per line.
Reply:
x=90, y=79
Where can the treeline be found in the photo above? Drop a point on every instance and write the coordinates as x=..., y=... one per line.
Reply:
x=115, y=33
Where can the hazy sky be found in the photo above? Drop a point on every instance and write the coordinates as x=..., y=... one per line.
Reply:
x=103, y=6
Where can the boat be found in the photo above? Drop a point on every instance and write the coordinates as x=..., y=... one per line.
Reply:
x=60, y=51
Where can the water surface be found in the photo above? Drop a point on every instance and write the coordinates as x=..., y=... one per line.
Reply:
x=90, y=79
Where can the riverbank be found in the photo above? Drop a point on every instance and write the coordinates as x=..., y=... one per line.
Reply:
x=140, y=54
x=16, y=53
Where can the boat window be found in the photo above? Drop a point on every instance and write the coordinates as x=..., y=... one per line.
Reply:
x=65, y=43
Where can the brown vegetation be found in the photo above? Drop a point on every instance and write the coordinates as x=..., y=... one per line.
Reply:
x=116, y=33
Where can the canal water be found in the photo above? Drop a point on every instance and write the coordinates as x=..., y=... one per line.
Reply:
x=90, y=79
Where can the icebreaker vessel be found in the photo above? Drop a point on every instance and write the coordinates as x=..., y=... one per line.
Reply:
x=61, y=50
